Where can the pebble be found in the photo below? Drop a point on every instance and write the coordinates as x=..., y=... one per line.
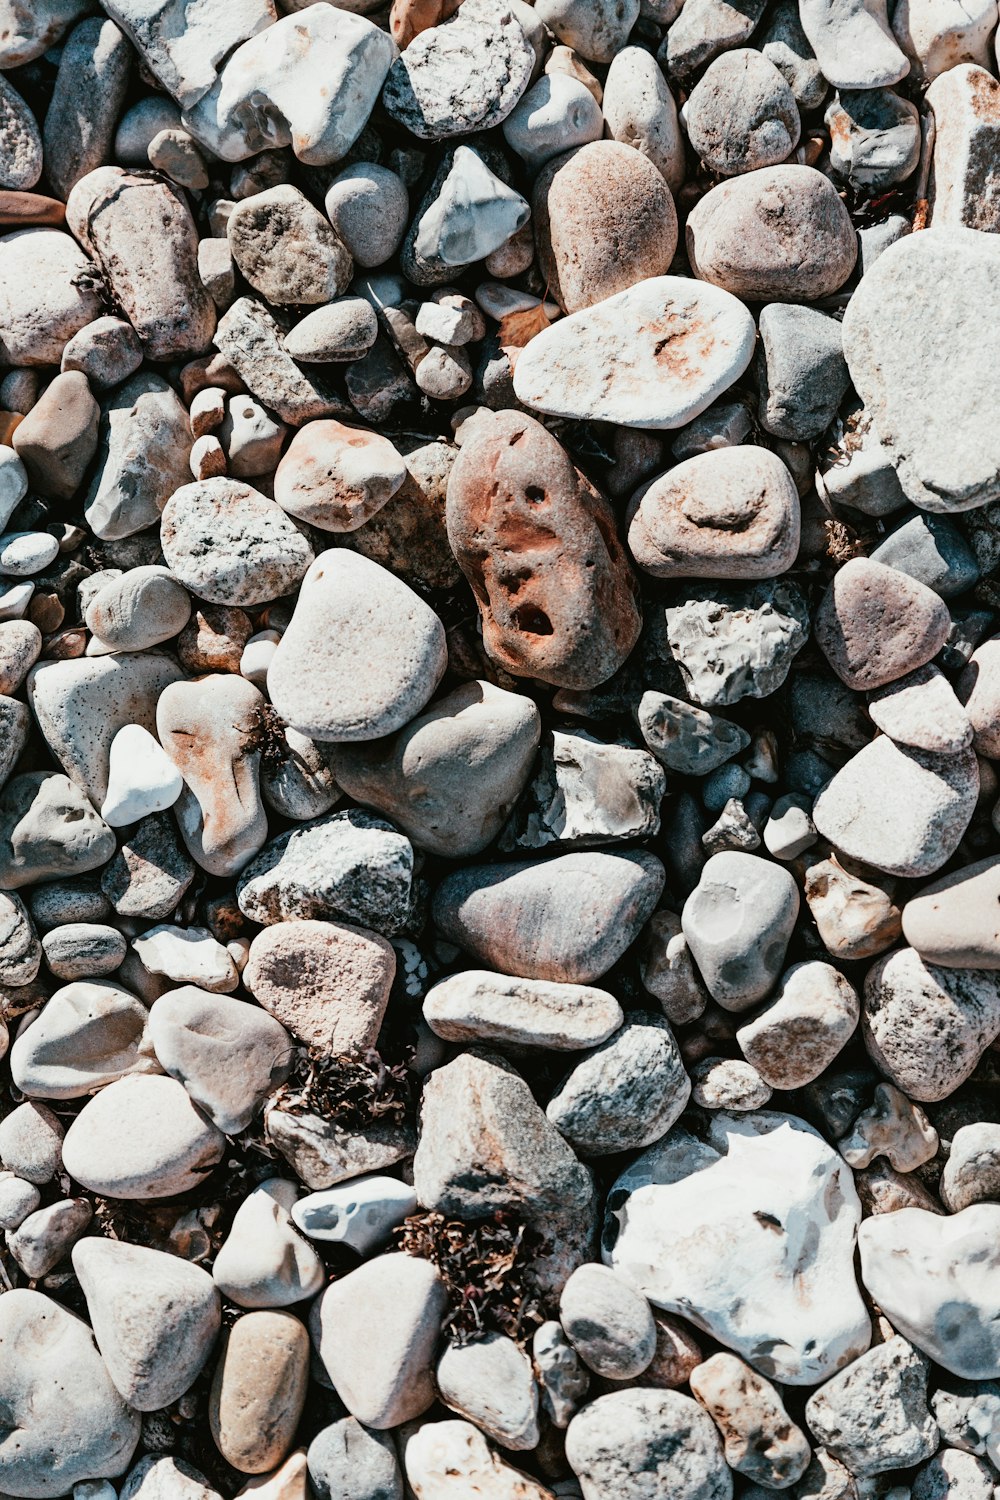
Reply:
x=83, y=950
x=932, y=550
x=737, y=923
x=626, y=1093
x=965, y=106
x=58, y=437
x=44, y=1238
x=875, y=624
x=685, y=738
x=742, y=115
x=652, y=356
x=285, y=248
x=45, y=295
x=873, y=1416
x=581, y=202
x=229, y=544
x=486, y=1144
x=20, y=141
x=944, y=450
x=150, y=873
x=20, y=952
x=254, y=342
x=777, y=234
x=808, y=1023
x=566, y=919
x=142, y=779
x=567, y=615
x=608, y=1324
x=557, y=114
x=479, y=1006
x=89, y=92
x=789, y=1304
x=142, y=608
x=639, y=110
x=854, y=48
x=490, y=1381
x=143, y=449
x=627, y=1441
x=228, y=1055
x=48, y=828
x=931, y=1275
x=155, y=1318
x=898, y=809
x=926, y=1027
x=376, y=1330
x=141, y=1138
x=107, y=351
x=800, y=370
x=351, y=612
x=327, y=982
x=728, y=1083
x=943, y=35
x=446, y=1460
x=467, y=213
x=31, y=1139
x=361, y=1214
x=263, y=1262
x=761, y=1440
x=708, y=28
x=972, y=1172
x=952, y=922
x=738, y=643
x=187, y=955
x=892, y=1127
x=922, y=710
x=732, y=513
x=158, y=1477
x=346, y=1456
x=337, y=477
x=18, y=1199
x=72, y=1424
x=368, y=206
x=875, y=138
x=259, y=1390
x=463, y=75
x=341, y=330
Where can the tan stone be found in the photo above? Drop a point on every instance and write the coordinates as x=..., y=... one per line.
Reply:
x=978, y=688
x=327, y=982
x=874, y=624
x=58, y=437
x=855, y=918
x=259, y=1390
x=337, y=477
x=956, y=921
x=213, y=639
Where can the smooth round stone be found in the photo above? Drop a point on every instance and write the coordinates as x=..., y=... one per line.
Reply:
x=259, y=1390
x=58, y=437
x=107, y=351
x=337, y=477
x=490, y=1381
x=594, y=29
x=45, y=295
x=342, y=330
x=779, y=234
x=654, y=356
x=71, y=1424
x=933, y=550
x=31, y=1140
x=626, y=1093
x=301, y=786
x=140, y=609
x=361, y=1213
x=187, y=955
x=733, y=513
x=900, y=810
x=875, y=137
x=478, y=1006
x=229, y=544
x=463, y=75
x=956, y=921
x=567, y=919
x=263, y=1262
x=24, y=553
x=938, y=35
x=979, y=690
x=972, y=1172
x=927, y=1027
x=13, y=483
x=286, y=249
x=557, y=114
x=142, y=779
x=228, y=1055
x=361, y=656
x=18, y=1199
x=874, y=624
x=579, y=206
x=741, y=114
x=45, y=1237
x=81, y=950
x=609, y=1324
x=327, y=982
x=737, y=923
x=449, y=779
x=346, y=1456
x=155, y=1318
x=141, y=1138
x=20, y=645
x=85, y=1036
x=446, y=1459
x=639, y=110
x=635, y=1443
x=368, y=207
x=811, y=1019
x=855, y=48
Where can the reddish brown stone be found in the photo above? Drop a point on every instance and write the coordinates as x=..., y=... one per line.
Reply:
x=22, y=210
x=538, y=544
x=604, y=219
x=58, y=437
x=408, y=18
x=874, y=624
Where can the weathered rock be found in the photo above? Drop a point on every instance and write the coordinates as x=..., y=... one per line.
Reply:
x=624, y=1095
x=972, y=1172
x=927, y=1027
x=933, y=1276
x=762, y=1442
x=68, y=1423
x=635, y=1443
x=48, y=828
x=965, y=105
x=937, y=35
x=86, y=1036
x=978, y=689
x=567, y=919
x=57, y=439
x=853, y=44
x=703, y=30
x=736, y=643
x=229, y=544
x=467, y=213
x=875, y=137
x=737, y=923
x=446, y=1460
x=944, y=448
x=855, y=918
x=873, y=1416
x=485, y=1144
x=893, y=1127
x=259, y=1390
x=934, y=551
x=286, y=249
x=778, y=234
x=742, y=115
x=327, y=982
x=323, y=1153
x=587, y=792
x=477, y=1006
x=155, y=1318
x=141, y=1138
x=150, y=873
x=20, y=141
x=653, y=356
x=86, y=102
x=337, y=477
x=921, y=710
x=808, y=1023
x=144, y=444
x=769, y=1183
x=253, y=343
x=556, y=115
x=182, y=44
x=46, y=295
x=687, y=739
x=159, y=1477
x=142, y=608
x=20, y=950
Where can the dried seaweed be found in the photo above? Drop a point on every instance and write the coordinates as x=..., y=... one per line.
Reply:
x=486, y=1269
x=267, y=734
x=352, y=1090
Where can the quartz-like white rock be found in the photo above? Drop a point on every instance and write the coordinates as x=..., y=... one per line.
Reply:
x=361, y=1213
x=477, y=1005
x=187, y=955
x=264, y=1262
x=922, y=710
x=183, y=42
x=473, y=214
x=453, y=1461
x=787, y=1302
x=142, y=779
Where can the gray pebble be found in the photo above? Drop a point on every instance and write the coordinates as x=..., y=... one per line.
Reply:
x=737, y=923
x=875, y=138
x=742, y=114
x=608, y=1323
x=625, y=1094
x=801, y=372
x=82, y=950
x=368, y=207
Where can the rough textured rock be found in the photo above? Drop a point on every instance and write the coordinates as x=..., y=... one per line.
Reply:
x=873, y=1416
x=736, y=643
x=633, y=1443
x=229, y=544
x=737, y=923
x=761, y=1440
x=327, y=982
x=624, y=1095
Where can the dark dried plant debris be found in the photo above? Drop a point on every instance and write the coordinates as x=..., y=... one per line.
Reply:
x=486, y=1269
x=353, y=1091
x=268, y=736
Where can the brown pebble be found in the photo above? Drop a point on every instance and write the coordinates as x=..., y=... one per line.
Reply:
x=874, y=624
x=58, y=437
x=21, y=210
x=213, y=639
x=328, y=982
x=259, y=1390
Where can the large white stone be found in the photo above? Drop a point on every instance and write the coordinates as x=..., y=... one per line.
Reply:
x=750, y=1235
x=142, y=779
x=264, y=1262
x=183, y=42
x=653, y=356
x=85, y=1036
x=453, y=1461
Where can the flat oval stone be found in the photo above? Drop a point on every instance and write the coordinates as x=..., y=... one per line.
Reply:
x=956, y=921
x=361, y=1213
x=67, y=1422
x=919, y=334
x=654, y=356
x=568, y=919
x=901, y=810
x=479, y=1006
x=85, y=1036
x=732, y=513
x=229, y=544
x=259, y=1390
x=779, y=234
x=875, y=624
x=361, y=655
x=141, y=1138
